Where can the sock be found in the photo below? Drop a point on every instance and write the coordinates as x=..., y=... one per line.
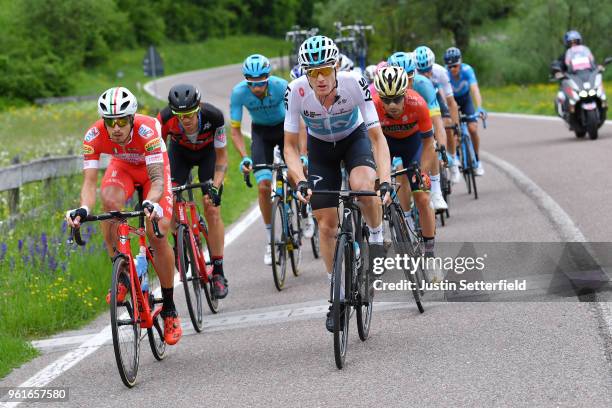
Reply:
x=168, y=297
x=435, y=183
x=217, y=265
x=269, y=232
x=376, y=234
x=429, y=243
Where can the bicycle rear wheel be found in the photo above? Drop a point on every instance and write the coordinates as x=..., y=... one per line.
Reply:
x=340, y=307
x=156, y=333
x=278, y=243
x=295, y=232
x=125, y=329
x=190, y=275
x=211, y=299
x=401, y=240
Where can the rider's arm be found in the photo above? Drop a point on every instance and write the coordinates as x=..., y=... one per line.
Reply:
x=220, y=144
x=88, y=190
x=292, y=140
x=453, y=109
x=477, y=98
x=303, y=137
x=236, y=119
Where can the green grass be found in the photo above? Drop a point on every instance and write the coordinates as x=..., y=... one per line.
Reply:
x=13, y=352
x=534, y=99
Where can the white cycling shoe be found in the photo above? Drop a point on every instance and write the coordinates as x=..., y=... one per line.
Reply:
x=455, y=174
x=437, y=201
x=479, y=170
x=308, y=228
x=268, y=255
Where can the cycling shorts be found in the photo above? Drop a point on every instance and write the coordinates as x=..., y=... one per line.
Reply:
x=182, y=160
x=409, y=150
x=443, y=107
x=324, y=166
x=126, y=176
x=263, y=140
x=466, y=106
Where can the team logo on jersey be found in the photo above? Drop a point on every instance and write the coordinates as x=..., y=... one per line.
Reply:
x=301, y=90
x=145, y=131
x=87, y=149
x=91, y=134
x=152, y=145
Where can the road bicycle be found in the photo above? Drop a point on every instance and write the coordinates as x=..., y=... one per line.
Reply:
x=140, y=309
x=445, y=183
x=191, y=241
x=350, y=271
x=467, y=156
x=286, y=229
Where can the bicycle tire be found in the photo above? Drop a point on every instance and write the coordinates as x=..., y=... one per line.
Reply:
x=315, y=242
x=127, y=358
x=364, y=304
x=211, y=299
x=278, y=243
x=156, y=334
x=472, y=171
x=295, y=234
x=190, y=276
x=341, y=277
x=401, y=240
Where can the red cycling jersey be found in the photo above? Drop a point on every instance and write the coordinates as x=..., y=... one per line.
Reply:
x=415, y=117
x=128, y=165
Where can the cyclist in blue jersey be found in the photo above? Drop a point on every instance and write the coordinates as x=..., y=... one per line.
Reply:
x=262, y=95
x=343, y=126
x=429, y=159
x=465, y=86
x=426, y=65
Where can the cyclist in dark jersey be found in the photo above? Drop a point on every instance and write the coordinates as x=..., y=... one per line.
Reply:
x=197, y=138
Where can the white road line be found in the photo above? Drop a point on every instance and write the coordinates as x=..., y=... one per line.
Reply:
x=528, y=116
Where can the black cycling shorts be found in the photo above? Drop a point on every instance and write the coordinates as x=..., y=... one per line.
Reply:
x=182, y=160
x=324, y=168
x=443, y=106
x=409, y=150
x=264, y=139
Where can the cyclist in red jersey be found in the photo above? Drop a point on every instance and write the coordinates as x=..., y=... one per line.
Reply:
x=406, y=123
x=138, y=157
x=197, y=138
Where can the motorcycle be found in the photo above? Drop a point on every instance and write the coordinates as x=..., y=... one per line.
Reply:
x=581, y=101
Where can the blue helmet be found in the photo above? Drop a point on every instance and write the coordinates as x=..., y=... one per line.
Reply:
x=404, y=60
x=255, y=66
x=425, y=58
x=297, y=71
x=316, y=51
x=570, y=36
x=452, y=56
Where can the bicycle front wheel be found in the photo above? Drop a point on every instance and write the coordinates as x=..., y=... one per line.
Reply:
x=278, y=243
x=365, y=294
x=315, y=242
x=340, y=307
x=124, y=325
x=156, y=333
x=471, y=159
x=211, y=299
x=295, y=232
x=401, y=241
x=190, y=275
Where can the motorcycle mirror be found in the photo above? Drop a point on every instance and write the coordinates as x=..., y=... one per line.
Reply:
x=607, y=60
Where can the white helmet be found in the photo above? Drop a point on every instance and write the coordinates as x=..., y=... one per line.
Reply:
x=317, y=51
x=346, y=64
x=370, y=72
x=116, y=103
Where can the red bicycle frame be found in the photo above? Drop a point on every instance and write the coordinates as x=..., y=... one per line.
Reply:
x=188, y=215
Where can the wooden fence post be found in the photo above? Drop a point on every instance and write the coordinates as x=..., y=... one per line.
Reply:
x=13, y=194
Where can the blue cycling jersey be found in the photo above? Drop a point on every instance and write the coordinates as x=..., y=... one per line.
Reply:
x=467, y=77
x=267, y=111
x=426, y=89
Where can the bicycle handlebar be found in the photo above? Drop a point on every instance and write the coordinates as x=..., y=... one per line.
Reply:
x=185, y=187
x=75, y=233
x=275, y=166
x=346, y=193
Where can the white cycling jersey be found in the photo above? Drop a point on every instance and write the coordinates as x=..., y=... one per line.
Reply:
x=441, y=80
x=353, y=106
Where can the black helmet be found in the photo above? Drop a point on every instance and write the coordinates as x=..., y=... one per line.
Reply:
x=183, y=97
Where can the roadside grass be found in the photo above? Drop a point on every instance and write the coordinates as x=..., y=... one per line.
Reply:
x=13, y=352
x=533, y=99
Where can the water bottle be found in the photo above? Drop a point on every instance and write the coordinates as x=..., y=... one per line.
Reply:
x=141, y=269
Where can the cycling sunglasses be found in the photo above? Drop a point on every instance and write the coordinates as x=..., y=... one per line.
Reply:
x=256, y=84
x=118, y=121
x=396, y=100
x=325, y=71
x=189, y=114
x=453, y=66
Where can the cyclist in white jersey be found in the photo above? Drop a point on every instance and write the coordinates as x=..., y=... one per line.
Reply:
x=426, y=65
x=342, y=126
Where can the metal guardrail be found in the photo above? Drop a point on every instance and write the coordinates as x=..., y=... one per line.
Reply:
x=64, y=99
x=14, y=176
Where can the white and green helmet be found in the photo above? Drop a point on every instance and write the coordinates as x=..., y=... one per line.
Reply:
x=116, y=103
x=317, y=51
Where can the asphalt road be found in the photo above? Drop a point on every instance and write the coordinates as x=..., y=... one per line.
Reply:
x=267, y=348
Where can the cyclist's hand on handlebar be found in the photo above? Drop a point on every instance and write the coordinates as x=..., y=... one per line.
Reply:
x=303, y=191
x=246, y=164
x=215, y=195
x=152, y=210
x=482, y=113
x=385, y=189
x=74, y=217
